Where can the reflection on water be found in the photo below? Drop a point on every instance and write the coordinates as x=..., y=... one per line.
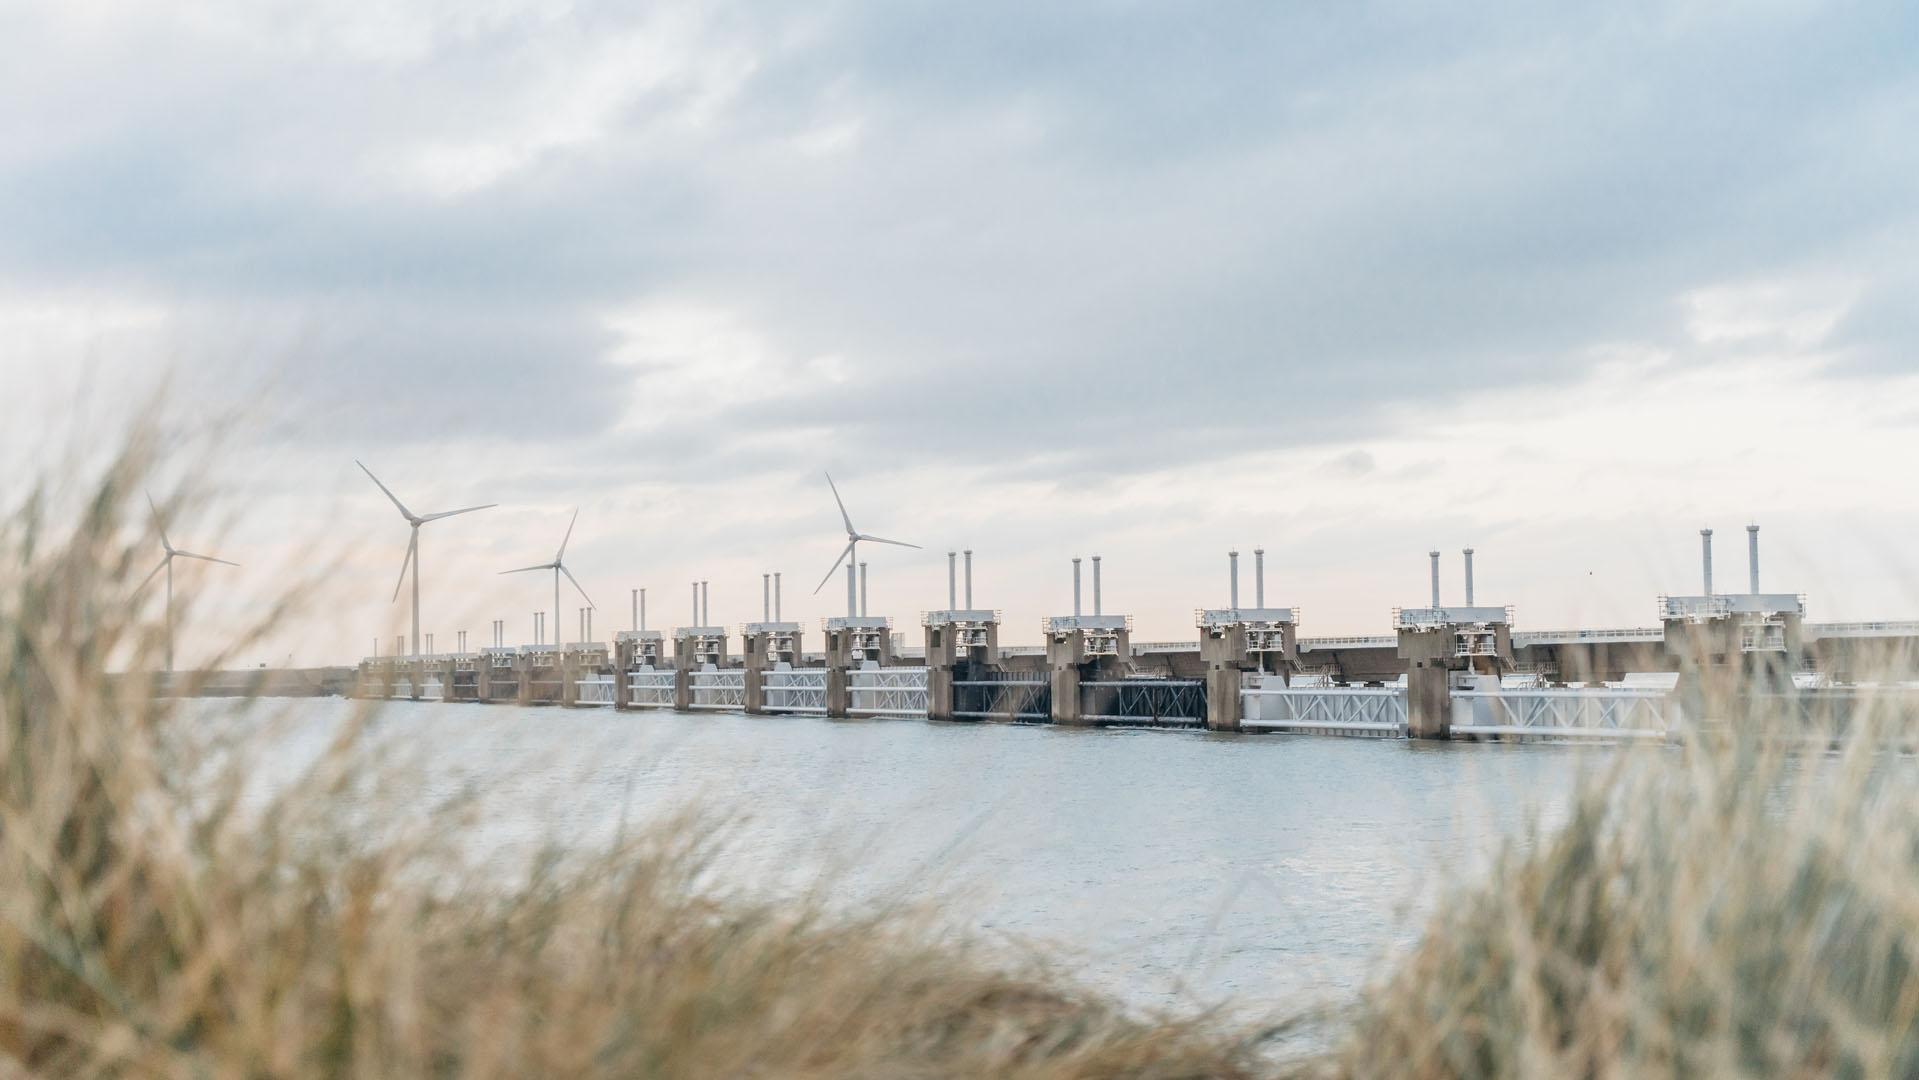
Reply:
x=1170, y=867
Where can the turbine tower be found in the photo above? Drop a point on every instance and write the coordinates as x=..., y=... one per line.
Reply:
x=558, y=566
x=167, y=565
x=850, y=554
x=413, y=546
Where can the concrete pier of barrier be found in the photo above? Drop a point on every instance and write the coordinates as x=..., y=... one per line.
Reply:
x=1081, y=648
x=961, y=645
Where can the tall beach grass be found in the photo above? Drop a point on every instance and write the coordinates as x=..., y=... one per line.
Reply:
x=1751, y=913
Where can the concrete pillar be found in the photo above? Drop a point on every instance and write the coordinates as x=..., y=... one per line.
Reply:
x=682, y=688
x=753, y=701
x=839, y=697
x=623, y=662
x=1224, y=708
x=1065, y=656
x=523, y=676
x=941, y=657
x=1429, y=700
x=1065, y=685
x=756, y=662
x=569, y=678
x=448, y=669
x=939, y=693
x=1223, y=651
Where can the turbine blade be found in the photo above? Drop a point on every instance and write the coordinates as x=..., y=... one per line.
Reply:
x=576, y=584
x=895, y=543
x=156, y=572
x=557, y=559
x=844, y=552
x=204, y=558
x=524, y=569
x=411, y=546
x=404, y=512
x=158, y=524
x=844, y=516
x=462, y=510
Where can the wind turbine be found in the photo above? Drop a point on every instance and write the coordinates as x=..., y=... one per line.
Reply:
x=853, y=538
x=558, y=566
x=413, y=546
x=167, y=565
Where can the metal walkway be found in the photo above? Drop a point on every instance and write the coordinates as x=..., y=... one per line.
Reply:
x=887, y=691
x=1597, y=713
x=1378, y=712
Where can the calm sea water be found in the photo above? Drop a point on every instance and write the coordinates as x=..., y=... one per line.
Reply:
x=1173, y=868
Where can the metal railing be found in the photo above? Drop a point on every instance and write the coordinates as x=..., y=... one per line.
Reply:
x=802, y=691
x=1373, y=642
x=595, y=690
x=1149, y=702
x=1338, y=710
x=1569, y=637
x=1862, y=629
x=650, y=689
x=1004, y=695
x=717, y=690
x=1609, y=713
x=1837, y=710
x=886, y=692
x=1141, y=648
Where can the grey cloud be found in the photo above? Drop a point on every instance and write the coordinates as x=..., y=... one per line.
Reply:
x=1061, y=222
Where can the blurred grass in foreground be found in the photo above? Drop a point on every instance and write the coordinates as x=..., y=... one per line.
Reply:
x=150, y=927
x=1751, y=913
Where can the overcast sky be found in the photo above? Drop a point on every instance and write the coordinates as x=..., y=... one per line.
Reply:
x=1349, y=281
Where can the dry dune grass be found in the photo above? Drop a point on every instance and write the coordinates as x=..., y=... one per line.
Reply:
x=152, y=928
x=1751, y=910
x=1751, y=913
